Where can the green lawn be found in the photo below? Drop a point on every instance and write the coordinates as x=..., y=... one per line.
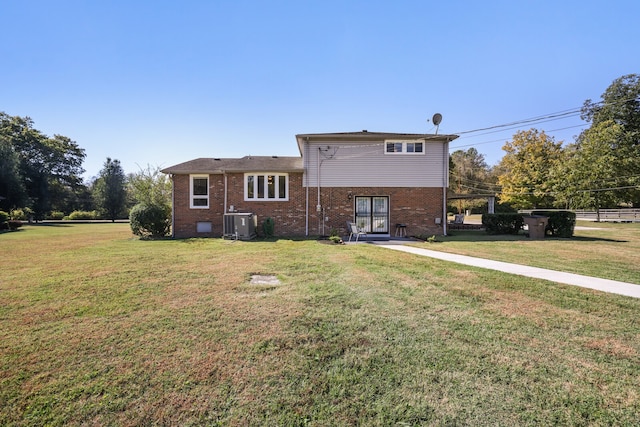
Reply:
x=606, y=250
x=99, y=328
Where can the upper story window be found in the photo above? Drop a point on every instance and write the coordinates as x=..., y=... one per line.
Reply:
x=269, y=186
x=199, y=191
x=404, y=147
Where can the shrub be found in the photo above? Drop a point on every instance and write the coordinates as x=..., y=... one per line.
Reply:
x=14, y=224
x=561, y=223
x=503, y=223
x=268, y=227
x=336, y=239
x=55, y=215
x=150, y=220
x=4, y=217
x=21, y=214
x=82, y=215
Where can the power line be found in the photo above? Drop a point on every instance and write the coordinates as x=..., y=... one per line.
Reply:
x=544, y=118
x=538, y=119
x=503, y=140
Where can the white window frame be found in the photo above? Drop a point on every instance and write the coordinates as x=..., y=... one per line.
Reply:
x=265, y=190
x=404, y=146
x=193, y=197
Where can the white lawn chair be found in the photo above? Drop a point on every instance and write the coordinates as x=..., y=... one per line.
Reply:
x=354, y=230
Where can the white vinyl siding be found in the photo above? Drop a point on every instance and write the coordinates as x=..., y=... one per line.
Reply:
x=367, y=165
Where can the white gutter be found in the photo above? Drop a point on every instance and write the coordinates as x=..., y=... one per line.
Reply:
x=306, y=178
x=173, y=206
x=224, y=209
x=318, y=206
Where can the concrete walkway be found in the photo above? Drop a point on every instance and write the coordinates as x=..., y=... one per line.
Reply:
x=604, y=285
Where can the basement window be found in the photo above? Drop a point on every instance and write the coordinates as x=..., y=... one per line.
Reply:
x=203, y=227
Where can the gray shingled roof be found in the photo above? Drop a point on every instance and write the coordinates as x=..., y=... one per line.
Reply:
x=376, y=136
x=244, y=164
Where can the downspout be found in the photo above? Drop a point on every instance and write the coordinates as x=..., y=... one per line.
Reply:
x=318, y=206
x=445, y=184
x=173, y=206
x=224, y=210
x=306, y=178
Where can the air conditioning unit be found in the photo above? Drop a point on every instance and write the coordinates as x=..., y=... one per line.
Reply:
x=240, y=226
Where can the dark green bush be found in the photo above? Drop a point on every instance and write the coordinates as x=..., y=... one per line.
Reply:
x=502, y=223
x=14, y=224
x=150, y=220
x=268, y=227
x=4, y=217
x=561, y=223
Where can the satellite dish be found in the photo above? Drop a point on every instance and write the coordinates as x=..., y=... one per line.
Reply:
x=437, y=118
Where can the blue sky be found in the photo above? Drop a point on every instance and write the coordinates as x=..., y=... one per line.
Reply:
x=159, y=82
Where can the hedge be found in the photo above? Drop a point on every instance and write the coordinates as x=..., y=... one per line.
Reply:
x=502, y=223
x=82, y=215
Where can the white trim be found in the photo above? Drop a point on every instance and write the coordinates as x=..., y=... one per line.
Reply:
x=403, y=146
x=265, y=189
x=192, y=196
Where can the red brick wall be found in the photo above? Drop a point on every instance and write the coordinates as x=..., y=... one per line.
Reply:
x=288, y=216
x=418, y=208
x=415, y=207
x=185, y=218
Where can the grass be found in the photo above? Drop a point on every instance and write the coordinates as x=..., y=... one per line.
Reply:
x=99, y=328
x=605, y=250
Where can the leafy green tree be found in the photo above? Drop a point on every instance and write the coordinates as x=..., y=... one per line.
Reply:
x=469, y=174
x=43, y=162
x=109, y=190
x=621, y=105
x=527, y=169
x=150, y=186
x=588, y=176
x=12, y=191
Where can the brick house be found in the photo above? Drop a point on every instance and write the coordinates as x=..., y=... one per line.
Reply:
x=376, y=180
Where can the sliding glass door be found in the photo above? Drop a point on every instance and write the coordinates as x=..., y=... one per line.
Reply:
x=372, y=214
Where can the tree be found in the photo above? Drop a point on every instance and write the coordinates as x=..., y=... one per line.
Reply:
x=150, y=186
x=109, y=190
x=43, y=162
x=468, y=174
x=12, y=191
x=621, y=105
x=527, y=166
x=589, y=172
